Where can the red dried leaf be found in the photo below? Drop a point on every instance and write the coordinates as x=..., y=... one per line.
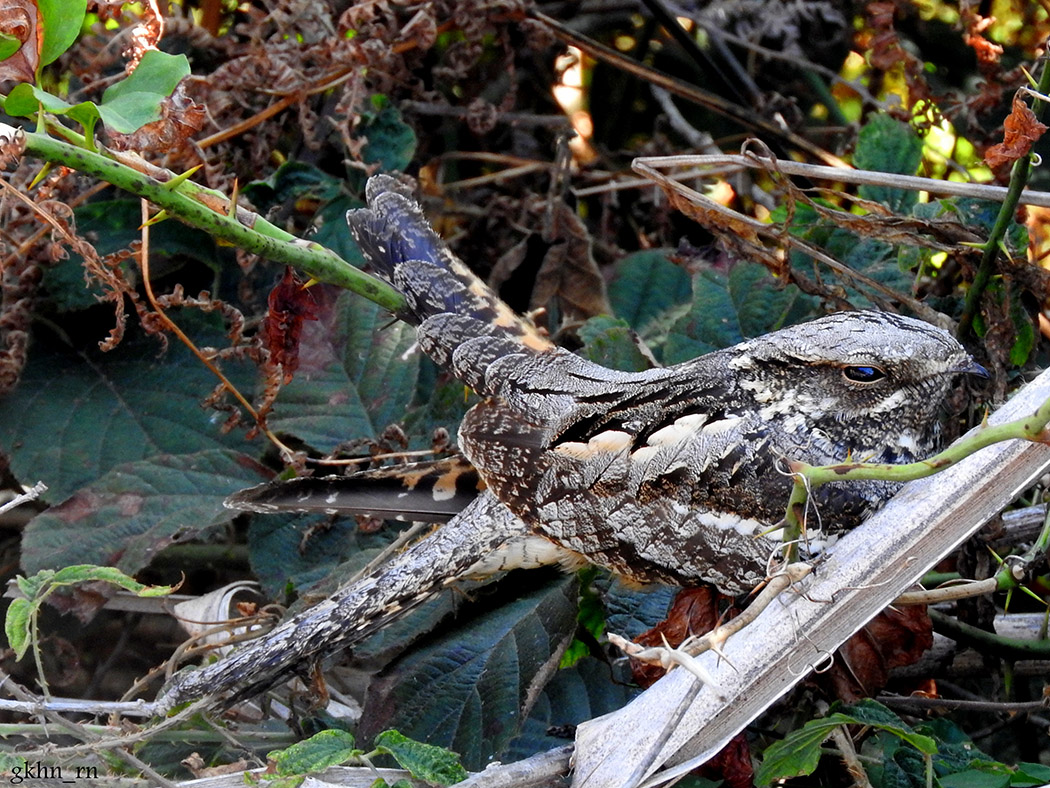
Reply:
x=290, y=305
x=732, y=764
x=988, y=54
x=1020, y=130
x=693, y=612
x=21, y=20
x=894, y=638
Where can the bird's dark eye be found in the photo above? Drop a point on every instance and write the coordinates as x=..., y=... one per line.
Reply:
x=862, y=374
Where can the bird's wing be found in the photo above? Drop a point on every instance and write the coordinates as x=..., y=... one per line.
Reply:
x=431, y=491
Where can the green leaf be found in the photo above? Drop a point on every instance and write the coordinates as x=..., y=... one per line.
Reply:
x=590, y=688
x=610, y=342
x=424, y=761
x=126, y=106
x=31, y=586
x=381, y=358
x=357, y=374
x=329, y=225
x=293, y=181
x=887, y=145
x=1024, y=331
x=8, y=45
x=468, y=689
x=20, y=614
x=631, y=610
x=17, y=626
x=298, y=550
x=135, y=510
x=391, y=142
x=130, y=104
x=62, y=20
x=728, y=309
x=324, y=749
x=798, y=753
x=1031, y=774
x=645, y=287
x=874, y=714
x=105, y=409
x=443, y=401
x=9, y=763
x=25, y=100
x=86, y=573
x=975, y=778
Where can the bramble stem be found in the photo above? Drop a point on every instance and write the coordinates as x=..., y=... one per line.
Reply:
x=1018, y=179
x=204, y=208
x=808, y=477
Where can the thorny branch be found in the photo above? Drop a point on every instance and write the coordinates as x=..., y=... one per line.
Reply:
x=1018, y=179
x=207, y=210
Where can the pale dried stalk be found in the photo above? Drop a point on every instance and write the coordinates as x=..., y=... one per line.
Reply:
x=707, y=166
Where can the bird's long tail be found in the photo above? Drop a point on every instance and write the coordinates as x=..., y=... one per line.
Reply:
x=466, y=543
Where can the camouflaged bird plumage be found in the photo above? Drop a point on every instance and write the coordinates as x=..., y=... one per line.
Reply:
x=674, y=474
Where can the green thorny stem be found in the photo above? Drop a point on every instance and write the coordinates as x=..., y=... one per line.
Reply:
x=808, y=477
x=203, y=208
x=1018, y=180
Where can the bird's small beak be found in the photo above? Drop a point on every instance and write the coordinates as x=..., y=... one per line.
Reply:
x=971, y=367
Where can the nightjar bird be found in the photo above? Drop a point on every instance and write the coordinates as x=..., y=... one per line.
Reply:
x=673, y=475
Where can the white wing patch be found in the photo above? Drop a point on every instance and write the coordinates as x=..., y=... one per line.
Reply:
x=608, y=442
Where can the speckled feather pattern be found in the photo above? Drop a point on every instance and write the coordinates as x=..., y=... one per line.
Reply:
x=673, y=474
x=670, y=474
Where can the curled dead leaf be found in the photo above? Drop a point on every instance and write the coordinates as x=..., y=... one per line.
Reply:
x=1020, y=130
x=12, y=145
x=20, y=19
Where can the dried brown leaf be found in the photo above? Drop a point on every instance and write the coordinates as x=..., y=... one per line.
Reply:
x=1020, y=130
x=21, y=20
x=894, y=638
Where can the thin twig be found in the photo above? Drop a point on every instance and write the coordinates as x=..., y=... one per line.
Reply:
x=287, y=453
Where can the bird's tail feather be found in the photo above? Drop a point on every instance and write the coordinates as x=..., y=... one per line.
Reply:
x=356, y=611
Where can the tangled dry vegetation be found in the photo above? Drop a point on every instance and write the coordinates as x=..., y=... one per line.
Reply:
x=520, y=121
